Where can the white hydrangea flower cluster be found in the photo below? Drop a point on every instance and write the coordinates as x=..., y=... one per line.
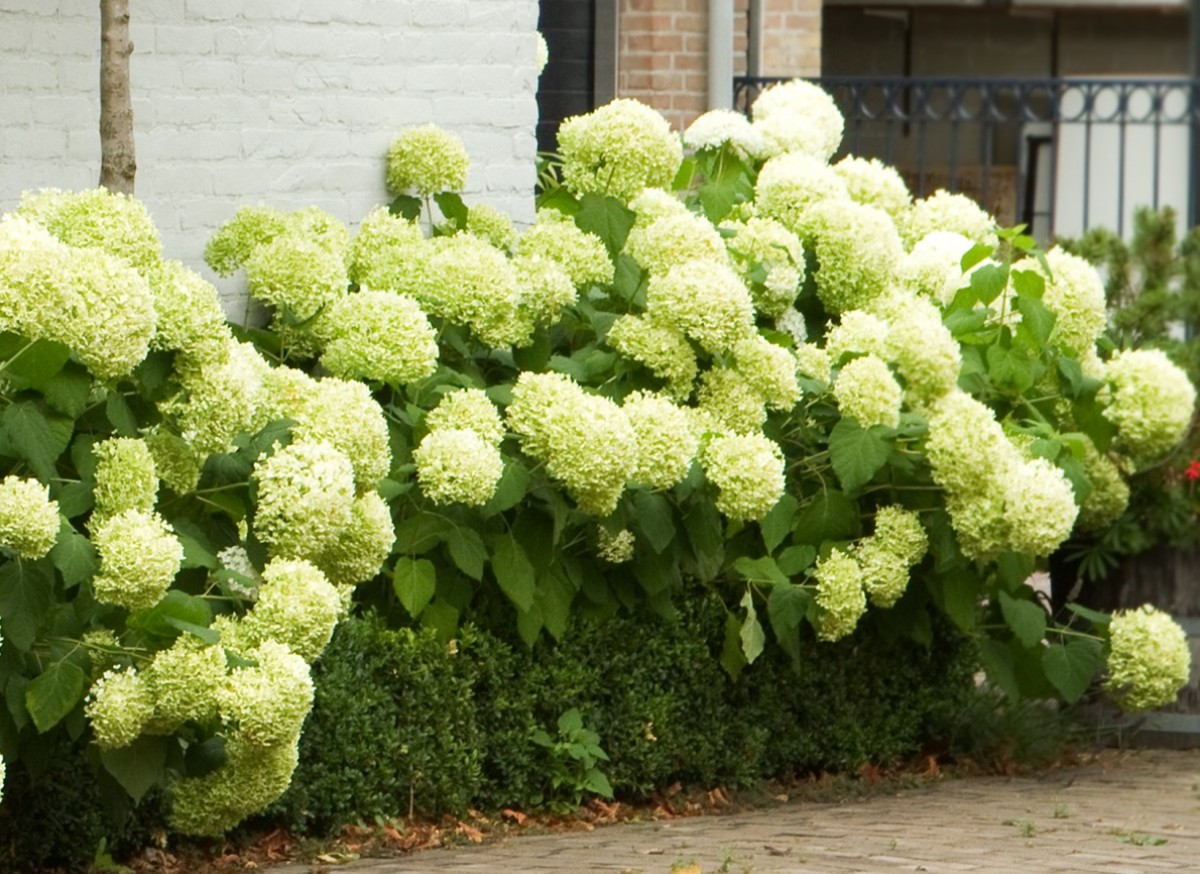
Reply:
x=119, y=705
x=428, y=160
x=797, y=117
x=705, y=301
x=488, y=223
x=379, y=336
x=748, y=471
x=666, y=444
x=96, y=219
x=661, y=347
x=1149, y=661
x=375, y=251
x=555, y=237
x=675, y=240
x=764, y=243
x=943, y=211
x=1150, y=401
x=459, y=459
x=728, y=398
x=29, y=522
x=125, y=477
x=873, y=183
x=866, y=391
x=1075, y=294
x=857, y=249
x=1110, y=492
x=585, y=440
x=840, y=595
x=305, y=494
x=933, y=267
x=887, y=556
x=718, y=127
x=790, y=185
x=618, y=149
x=139, y=558
x=997, y=499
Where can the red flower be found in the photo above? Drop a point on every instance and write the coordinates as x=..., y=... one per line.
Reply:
x=1193, y=470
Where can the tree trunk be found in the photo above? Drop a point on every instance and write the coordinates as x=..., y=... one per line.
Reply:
x=117, y=164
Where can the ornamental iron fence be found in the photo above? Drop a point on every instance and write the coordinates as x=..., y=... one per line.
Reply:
x=1060, y=155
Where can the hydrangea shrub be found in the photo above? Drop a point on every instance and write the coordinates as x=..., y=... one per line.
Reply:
x=182, y=518
x=741, y=368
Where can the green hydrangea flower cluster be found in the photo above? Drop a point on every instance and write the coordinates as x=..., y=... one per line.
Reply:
x=1149, y=661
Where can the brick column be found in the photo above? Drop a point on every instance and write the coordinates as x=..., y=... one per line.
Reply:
x=791, y=38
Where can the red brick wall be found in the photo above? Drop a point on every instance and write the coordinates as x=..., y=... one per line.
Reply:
x=663, y=49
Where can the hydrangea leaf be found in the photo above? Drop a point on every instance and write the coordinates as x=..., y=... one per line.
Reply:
x=786, y=608
x=830, y=515
x=777, y=524
x=37, y=435
x=406, y=206
x=452, y=207
x=657, y=572
x=988, y=281
x=1037, y=320
x=420, y=533
x=32, y=363
x=529, y=624
x=554, y=595
x=997, y=663
x=54, y=693
x=751, y=633
x=514, y=573
x=795, y=559
x=607, y=218
x=467, y=551
x=654, y=519
x=73, y=555
x=761, y=570
x=733, y=660
x=176, y=606
x=26, y=593
x=415, y=581
x=858, y=453
x=138, y=766
x=1011, y=365
x=1026, y=619
x=1070, y=667
x=514, y=482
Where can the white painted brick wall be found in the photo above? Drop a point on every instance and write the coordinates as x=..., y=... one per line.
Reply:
x=286, y=102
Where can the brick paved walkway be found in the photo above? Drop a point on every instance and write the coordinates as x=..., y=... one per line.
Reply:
x=1130, y=813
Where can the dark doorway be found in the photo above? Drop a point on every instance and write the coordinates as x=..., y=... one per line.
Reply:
x=567, y=86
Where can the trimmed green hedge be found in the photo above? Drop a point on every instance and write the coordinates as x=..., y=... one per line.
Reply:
x=402, y=719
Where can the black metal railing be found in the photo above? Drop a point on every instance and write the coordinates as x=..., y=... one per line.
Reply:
x=1060, y=155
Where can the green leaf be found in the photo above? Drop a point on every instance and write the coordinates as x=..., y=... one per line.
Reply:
x=654, y=518
x=420, y=533
x=627, y=278
x=415, y=581
x=32, y=363
x=997, y=662
x=777, y=524
x=607, y=218
x=974, y=255
x=733, y=660
x=211, y=636
x=406, y=206
x=68, y=392
x=988, y=280
x=560, y=199
x=1026, y=619
x=1014, y=568
x=717, y=198
x=203, y=757
x=965, y=323
x=1089, y=416
x=1011, y=365
x=37, y=435
x=707, y=537
x=1037, y=321
x=529, y=624
x=467, y=551
x=514, y=573
x=761, y=570
x=119, y=414
x=786, y=608
x=858, y=453
x=1093, y=616
x=957, y=592
x=1071, y=667
x=138, y=766
x=54, y=693
x=830, y=515
x=175, y=607
x=554, y=595
x=26, y=594
x=1072, y=372
x=795, y=559
x=657, y=572
x=73, y=555
x=197, y=550
x=452, y=207
x=442, y=618
x=751, y=633
x=511, y=489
